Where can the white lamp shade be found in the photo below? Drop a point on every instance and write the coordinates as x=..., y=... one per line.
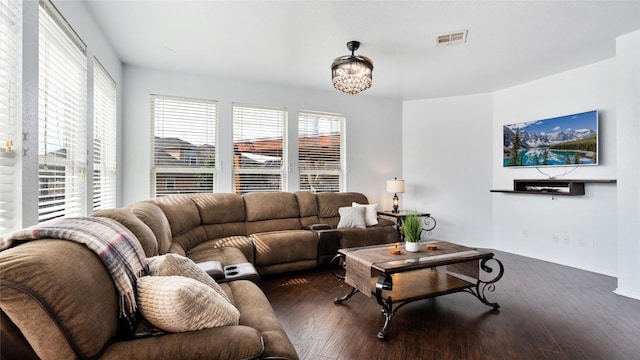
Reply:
x=395, y=186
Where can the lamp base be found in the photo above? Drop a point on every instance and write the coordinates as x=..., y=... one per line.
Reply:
x=395, y=203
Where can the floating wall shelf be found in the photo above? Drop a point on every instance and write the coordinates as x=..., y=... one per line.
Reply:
x=567, y=187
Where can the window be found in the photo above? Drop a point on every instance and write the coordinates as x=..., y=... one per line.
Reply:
x=62, y=117
x=10, y=55
x=104, y=139
x=259, y=145
x=320, y=152
x=184, y=146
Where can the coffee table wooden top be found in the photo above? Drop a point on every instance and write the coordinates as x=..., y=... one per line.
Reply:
x=382, y=260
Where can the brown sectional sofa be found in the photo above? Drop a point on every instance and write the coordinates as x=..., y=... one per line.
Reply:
x=58, y=300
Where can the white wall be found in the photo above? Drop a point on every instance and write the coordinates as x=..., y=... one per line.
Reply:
x=585, y=225
x=373, y=127
x=447, y=165
x=458, y=195
x=628, y=109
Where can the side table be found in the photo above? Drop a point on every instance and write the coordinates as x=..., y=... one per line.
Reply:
x=429, y=223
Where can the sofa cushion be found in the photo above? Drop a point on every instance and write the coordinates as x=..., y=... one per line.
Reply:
x=282, y=247
x=352, y=217
x=46, y=285
x=271, y=205
x=257, y=313
x=156, y=220
x=227, y=342
x=177, y=265
x=181, y=212
x=142, y=232
x=329, y=203
x=220, y=208
x=374, y=235
x=177, y=303
x=229, y=250
x=308, y=207
x=371, y=213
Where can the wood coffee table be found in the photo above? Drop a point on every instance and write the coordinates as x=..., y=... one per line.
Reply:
x=407, y=277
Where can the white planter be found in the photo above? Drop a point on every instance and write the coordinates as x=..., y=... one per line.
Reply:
x=412, y=246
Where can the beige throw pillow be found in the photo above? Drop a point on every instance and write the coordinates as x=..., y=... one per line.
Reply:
x=178, y=303
x=351, y=217
x=178, y=265
x=370, y=213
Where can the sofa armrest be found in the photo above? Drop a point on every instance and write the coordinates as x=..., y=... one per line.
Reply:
x=328, y=245
x=212, y=268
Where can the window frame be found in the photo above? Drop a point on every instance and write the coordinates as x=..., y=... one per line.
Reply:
x=189, y=172
x=304, y=117
x=105, y=102
x=62, y=117
x=262, y=115
x=10, y=99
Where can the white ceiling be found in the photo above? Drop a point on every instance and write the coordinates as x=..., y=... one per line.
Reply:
x=294, y=42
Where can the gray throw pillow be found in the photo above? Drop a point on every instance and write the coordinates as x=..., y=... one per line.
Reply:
x=352, y=217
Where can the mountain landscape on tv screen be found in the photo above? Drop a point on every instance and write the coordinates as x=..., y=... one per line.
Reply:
x=569, y=140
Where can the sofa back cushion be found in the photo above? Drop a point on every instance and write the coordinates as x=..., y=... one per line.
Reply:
x=184, y=219
x=308, y=207
x=47, y=284
x=155, y=219
x=271, y=211
x=222, y=214
x=128, y=219
x=329, y=203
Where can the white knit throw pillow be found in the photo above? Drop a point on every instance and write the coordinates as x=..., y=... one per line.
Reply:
x=178, y=304
x=370, y=213
x=177, y=265
x=351, y=217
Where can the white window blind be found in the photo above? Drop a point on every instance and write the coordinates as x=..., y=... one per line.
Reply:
x=259, y=148
x=62, y=117
x=320, y=151
x=104, y=139
x=10, y=55
x=184, y=145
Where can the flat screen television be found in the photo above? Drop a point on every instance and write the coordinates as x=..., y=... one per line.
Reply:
x=570, y=140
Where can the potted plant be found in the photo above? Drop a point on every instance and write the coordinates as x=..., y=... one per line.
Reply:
x=412, y=229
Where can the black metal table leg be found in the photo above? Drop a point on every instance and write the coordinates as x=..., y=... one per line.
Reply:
x=489, y=285
x=384, y=282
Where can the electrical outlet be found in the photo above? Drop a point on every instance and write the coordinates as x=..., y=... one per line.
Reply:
x=554, y=239
x=525, y=234
x=566, y=240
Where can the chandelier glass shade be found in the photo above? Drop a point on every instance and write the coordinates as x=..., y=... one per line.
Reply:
x=352, y=74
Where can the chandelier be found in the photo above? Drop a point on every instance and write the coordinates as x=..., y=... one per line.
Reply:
x=350, y=73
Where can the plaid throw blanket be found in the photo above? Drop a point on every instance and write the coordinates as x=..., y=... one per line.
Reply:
x=114, y=244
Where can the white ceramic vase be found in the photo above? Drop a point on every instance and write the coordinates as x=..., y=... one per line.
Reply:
x=412, y=246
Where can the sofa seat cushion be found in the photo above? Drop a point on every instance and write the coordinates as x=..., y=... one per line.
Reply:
x=223, y=343
x=256, y=312
x=374, y=235
x=227, y=255
x=178, y=303
x=281, y=247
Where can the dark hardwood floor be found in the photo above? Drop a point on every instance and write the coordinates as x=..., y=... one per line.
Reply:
x=548, y=311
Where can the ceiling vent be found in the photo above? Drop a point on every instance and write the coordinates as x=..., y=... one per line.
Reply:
x=458, y=37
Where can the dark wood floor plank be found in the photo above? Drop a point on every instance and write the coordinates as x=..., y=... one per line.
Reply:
x=548, y=311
